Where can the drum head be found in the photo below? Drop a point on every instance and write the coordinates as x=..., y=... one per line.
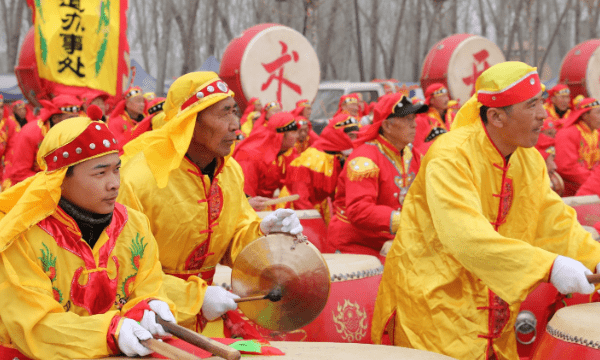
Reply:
x=280, y=64
x=592, y=75
x=578, y=323
x=471, y=57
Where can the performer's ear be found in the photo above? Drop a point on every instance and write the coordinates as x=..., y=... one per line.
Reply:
x=496, y=117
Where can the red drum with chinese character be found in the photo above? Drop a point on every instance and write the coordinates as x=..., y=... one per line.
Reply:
x=348, y=313
x=573, y=333
x=457, y=61
x=580, y=69
x=271, y=62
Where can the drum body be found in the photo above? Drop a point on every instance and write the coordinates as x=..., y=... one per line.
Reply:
x=457, y=61
x=272, y=62
x=348, y=314
x=572, y=334
x=580, y=69
x=587, y=208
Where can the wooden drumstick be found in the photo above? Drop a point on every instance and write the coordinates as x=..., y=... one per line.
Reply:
x=282, y=200
x=169, y=351
x=274, y=295
x=593, y=279
x=201, y=341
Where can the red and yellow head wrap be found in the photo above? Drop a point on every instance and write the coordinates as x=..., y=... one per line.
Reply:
x=68, y=143
x=501, y=85
x=165, y=148
x=433, y=90
x=583, y=106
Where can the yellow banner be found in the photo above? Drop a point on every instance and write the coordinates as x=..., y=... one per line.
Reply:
x=77, y=42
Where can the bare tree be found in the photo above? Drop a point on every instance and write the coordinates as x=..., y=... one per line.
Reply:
x=13, y=19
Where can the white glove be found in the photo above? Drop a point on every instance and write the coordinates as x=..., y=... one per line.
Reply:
x=129, y=338
x=568, y=276
x=161, y=309
x=217, y=301
x=282, y=220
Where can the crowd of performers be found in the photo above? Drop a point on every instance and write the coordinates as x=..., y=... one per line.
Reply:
x=109, y=217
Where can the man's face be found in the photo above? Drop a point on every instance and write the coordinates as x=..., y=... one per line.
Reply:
x=561, y=101
x=289, y=139
x=351, y=108
x=522, y=124
x=302, y=133
x=21, y=111
x=101, y=104
x=400, y=130
x=135, y=105
x=440, y=102
x=215, y=128
x=592, y=118
x=307, y=111
x=353, y=135
x=62, y=116
x=94, y=184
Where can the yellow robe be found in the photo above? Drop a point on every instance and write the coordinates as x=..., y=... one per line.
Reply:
x=470, y=231
x=193, y=234
x=39, y=304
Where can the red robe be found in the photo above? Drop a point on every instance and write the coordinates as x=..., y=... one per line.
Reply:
x=122, y=126
x=370, y=193
x=9, y=128
x=592, y=185
x=577, y=153
x=426, y=123
x=553, y=119
x=21, y=163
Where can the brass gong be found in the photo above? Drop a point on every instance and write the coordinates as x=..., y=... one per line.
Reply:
x=292, y=265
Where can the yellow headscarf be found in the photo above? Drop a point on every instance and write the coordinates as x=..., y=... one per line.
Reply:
x=165, y=148
x=503, y=84
x=36, y=198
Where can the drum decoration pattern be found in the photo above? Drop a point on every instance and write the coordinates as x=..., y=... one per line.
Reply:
x=271, y=62
x=457, y=61
x=572, y=334
x=348, y=313
x=580, y=69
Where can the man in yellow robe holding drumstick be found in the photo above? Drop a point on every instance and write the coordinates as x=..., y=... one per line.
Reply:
x=481, y=228
x=183, y=178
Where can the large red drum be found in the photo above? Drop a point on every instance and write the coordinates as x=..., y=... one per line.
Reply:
x=457, y=61
x=580, y=69
x=587, y=208
x=271, y=62
x=348, y=313
x=572, y=334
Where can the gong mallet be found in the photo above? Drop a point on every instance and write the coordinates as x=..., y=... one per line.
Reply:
x=282, y=200
x=201, y=341
x=168, y=351
x=593, y=279
x=274, y=295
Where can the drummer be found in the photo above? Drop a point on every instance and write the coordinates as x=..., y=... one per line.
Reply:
x=314, y=174
x=183, y=178
x=578, y=145
x=377, y=175
x=263, y=158
x=349, y=105
x=127, y=114
x=271, y=108
x=437, y=120
x=481, y=228
x=306, y=135
x=558, y=106
x=21, y=162
x=73, y=263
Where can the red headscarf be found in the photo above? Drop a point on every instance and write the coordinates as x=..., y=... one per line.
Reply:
x=262, y=119
x=265, y=145
x=59, y=105
x=434, y=90
x=386, y=105
x=91, y=95
x=560, y=89
x=345, y=99
x=584, y=106
x=333, y=137
x=300, y=105
x=131, y=92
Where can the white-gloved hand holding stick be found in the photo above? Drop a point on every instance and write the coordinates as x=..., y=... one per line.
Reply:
x=217, y=301
x=569, y=276
x=161, y=309
x=281, y=220
x=129, y=338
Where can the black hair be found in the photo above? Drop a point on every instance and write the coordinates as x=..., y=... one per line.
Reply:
x=483, y=112
x=70, y=170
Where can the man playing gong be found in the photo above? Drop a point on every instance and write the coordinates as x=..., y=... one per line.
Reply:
x=481, y=228
x=183, y=178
